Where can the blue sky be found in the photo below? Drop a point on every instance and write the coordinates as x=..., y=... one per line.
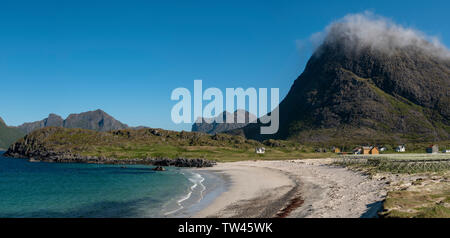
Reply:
x=126, y=57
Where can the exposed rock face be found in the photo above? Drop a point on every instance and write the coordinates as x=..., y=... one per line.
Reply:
x=51, y=120
x=93, y=120
x=159, y=168
x=70, y=158
x=366, y=96
x=30, y=149
x=210, y=126
x=183, y=162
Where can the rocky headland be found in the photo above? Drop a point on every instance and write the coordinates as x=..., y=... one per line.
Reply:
x=57, y=157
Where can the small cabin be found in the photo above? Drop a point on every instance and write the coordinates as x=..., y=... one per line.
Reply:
x=400, y=148
x=260, y=150
x=374, y=151
x=336, y=150
x=366, y=150
x=432, y=149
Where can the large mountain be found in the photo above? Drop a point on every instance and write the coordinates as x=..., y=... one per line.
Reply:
x=368, y=83
x=97, y=120
x=8, y=134
x=93, y=120
x=51, y=120
x=210, y=125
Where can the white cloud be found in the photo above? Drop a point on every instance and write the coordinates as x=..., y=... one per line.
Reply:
x=369, y=30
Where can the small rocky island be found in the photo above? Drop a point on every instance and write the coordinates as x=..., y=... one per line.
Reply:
x=159, y=168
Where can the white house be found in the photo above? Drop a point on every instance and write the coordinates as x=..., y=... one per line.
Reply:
x=400, y=148
x=446, y=151
x=357, y=151
x=260, y=150
x=432, y=149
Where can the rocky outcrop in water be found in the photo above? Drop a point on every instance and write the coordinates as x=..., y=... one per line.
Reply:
x=159, y=168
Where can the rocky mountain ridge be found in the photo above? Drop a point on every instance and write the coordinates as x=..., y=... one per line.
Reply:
x=211, y=126
x=97, y=120
x=364, y=95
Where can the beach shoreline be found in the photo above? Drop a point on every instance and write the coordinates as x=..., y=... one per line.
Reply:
x=211, y=185
x=247, y=195
x=300, y=188
x=294, y=188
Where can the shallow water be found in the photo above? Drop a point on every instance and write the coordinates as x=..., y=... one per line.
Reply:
x=38, y=189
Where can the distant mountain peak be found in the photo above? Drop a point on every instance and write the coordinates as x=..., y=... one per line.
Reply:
x=53, y=115
x=202, y=125
x=93, y=120
x=53, y=120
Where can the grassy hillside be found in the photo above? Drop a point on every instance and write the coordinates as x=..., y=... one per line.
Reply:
x=159, y=143
x=156, y=143
x=8, y=135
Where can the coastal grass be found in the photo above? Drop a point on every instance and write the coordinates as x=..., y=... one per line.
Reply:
x=219, y=154
x=159, y=143
x=420, y=187
x=423, y=198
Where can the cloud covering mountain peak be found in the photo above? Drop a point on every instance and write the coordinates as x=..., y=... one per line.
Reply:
x=368, y=30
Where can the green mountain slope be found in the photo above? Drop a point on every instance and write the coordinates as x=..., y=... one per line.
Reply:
x=8, y=135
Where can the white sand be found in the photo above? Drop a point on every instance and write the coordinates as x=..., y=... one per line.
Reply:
x=263, y=188
x=251, y=190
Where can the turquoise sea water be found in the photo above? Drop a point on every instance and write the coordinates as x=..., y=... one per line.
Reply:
x=38, y=189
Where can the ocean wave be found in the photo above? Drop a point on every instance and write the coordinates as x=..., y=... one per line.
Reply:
x=197, y=181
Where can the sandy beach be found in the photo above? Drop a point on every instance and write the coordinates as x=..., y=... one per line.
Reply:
x=295, y=188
